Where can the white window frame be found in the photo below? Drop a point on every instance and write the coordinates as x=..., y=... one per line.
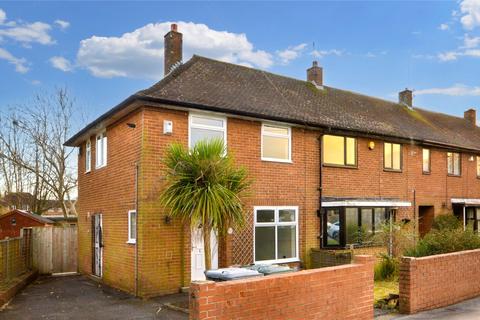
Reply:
x=289, y=136
x=88, y=156
x=101, y=162
x=200, y=126
x=131, y=240
x=275, y=224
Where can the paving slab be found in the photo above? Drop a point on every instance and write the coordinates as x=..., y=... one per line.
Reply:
x=78, y=297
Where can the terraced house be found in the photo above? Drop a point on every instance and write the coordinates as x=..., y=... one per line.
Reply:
x=325, y=162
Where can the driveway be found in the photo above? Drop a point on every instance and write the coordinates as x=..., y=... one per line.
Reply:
x=469, y=309
x=78, y=297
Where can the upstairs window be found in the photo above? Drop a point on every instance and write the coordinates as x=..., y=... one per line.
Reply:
x=205, y=128
x=339, y=151
x=101, y=150
x=453, y=163
x=88, y=156
x=276, y=143
x=426, y=160
x=392, y=156
x=478, y=166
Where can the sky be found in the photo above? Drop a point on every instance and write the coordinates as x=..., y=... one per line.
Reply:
x=105, y=51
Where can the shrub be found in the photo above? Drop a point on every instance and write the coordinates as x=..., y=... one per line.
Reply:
x=387, y=268
x=445, y=240
x=399, y=235
x=446, y=222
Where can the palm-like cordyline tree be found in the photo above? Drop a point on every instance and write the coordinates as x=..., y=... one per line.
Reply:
x=204, y=188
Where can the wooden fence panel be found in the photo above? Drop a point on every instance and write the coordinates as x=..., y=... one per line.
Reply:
x=55, y=249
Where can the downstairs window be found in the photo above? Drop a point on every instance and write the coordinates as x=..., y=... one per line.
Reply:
x=276, y=234
x=343, y=227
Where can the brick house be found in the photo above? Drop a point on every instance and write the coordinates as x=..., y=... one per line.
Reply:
x=327, y=165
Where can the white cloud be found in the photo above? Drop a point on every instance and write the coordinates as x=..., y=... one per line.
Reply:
x=139, y=54
x=37, y=32
x=19, y=63
x=470, y=11
x=61, y=63
x=444, y=27
x=455, y=90
x=291, y=53
x=3, y=17
x=322, y=53
x=470, y=42
x=62, y=24
x=448, y=56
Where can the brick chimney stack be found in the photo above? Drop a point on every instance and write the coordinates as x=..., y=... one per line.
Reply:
x=405, y=97
x=471, y=116
x=315, y=74
x=173, y=49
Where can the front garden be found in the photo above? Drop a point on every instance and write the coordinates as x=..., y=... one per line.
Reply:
x=447, y=235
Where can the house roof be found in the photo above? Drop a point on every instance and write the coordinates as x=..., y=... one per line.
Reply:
x=207, y=84
x=30, y=215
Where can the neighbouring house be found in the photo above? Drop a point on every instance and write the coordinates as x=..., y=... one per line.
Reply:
x=16, y=200
x=55, y=212
x=12, y=223
x=52, y=209
x=326, y=163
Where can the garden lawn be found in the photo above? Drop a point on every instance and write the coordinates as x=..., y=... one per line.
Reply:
x=383, y=288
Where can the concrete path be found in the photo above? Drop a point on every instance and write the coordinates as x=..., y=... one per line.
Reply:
x=469, y=309
x=77, y=297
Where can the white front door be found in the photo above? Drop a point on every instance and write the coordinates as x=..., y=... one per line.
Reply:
x=97, y=245
x=198, y=254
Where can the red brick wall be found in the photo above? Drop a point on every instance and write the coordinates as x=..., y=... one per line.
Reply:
x=7, y=229
x=110, y=191
x=341, y=292
x=436, y=281
x=371, y=180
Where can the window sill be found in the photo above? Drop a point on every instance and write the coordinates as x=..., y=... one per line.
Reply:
x=276, y=160
x=132, y=242
x=427, y=173
x=101, y=167
x=454, y=175
x=392, y=170
x=88, y=171
x=291, y=260
x=339, y=166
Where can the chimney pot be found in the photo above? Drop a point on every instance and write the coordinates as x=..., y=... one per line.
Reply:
x=315, y=74
x=173, y=42
x=471, y=116
x=405, y=97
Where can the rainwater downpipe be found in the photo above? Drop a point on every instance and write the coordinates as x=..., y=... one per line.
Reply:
x=136, y=228
x=320, y=158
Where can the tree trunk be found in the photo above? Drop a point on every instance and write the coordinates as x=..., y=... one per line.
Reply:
x=206, y=247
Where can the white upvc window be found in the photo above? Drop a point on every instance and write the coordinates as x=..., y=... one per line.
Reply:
x=204, y=127
x=88, y=156
x=132, y=226
x=101, y=150
x=275, y=234
x=276, y=143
